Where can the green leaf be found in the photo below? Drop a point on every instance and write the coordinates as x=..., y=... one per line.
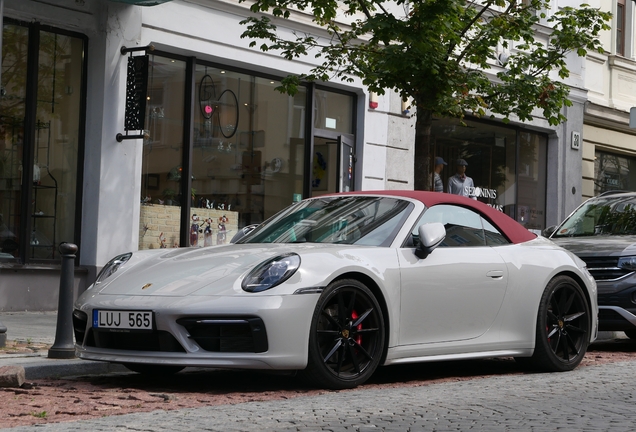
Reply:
x=437, y=51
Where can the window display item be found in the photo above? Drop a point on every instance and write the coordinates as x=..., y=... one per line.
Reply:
x=207, y=233
x=194, y=231
x=221, y=236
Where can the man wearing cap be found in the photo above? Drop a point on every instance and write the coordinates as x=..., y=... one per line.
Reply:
x=460, y=183
x=438, y=185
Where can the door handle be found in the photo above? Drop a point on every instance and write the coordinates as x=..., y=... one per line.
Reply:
x=495, y=274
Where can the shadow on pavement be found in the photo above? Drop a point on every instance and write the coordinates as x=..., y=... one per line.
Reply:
x=215, y=381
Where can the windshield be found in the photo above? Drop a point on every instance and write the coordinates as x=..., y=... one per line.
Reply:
x=601, y=216
x=360, y=220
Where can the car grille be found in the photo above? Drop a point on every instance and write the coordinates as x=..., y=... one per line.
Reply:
x=605, y=268
x=242, y=334
x=156, y=340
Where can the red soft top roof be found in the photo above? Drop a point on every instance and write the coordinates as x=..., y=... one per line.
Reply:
x=514, y=231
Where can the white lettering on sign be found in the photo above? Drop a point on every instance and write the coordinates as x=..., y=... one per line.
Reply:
x=482, y=192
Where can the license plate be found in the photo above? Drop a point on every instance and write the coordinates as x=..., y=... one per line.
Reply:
x=130, y=320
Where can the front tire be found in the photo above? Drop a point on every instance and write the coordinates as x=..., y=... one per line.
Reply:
x=346, y=340
x=563, y=327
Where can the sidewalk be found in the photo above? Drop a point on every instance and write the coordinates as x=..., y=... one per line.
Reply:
x=29, y=337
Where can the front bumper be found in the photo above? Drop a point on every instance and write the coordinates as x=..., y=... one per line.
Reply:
x=617, y=305
x=285, y=320
x=615, y=318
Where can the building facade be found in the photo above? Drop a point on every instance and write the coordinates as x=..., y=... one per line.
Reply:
x=127, y=126
x=609, y=144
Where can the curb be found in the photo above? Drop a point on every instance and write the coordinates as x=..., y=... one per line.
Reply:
x=38, y=367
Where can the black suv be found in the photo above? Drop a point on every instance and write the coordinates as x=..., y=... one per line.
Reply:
x=602, y=232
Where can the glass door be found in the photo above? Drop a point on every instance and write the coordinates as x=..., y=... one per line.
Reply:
x=332, y=165
x=346, y=163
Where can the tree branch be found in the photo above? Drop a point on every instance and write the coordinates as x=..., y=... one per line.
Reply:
x=467, y=28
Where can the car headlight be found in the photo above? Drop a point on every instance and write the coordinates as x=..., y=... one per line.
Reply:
x=627, y=263
x=271, y=273
x=112, y=266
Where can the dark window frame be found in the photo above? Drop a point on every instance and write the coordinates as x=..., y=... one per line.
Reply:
x=26, y=223
x=621, y=12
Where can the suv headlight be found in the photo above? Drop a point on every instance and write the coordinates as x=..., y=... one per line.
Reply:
x=271, y=273
x=112, y=266
x=627, y=263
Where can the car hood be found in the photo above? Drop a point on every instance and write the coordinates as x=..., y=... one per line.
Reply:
x=216, y=270
x=599, y=245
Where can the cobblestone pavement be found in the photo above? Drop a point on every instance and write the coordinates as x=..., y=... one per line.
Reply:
x=595, y=398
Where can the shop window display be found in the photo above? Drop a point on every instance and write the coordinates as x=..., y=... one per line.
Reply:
x=246, y=158
x=161, y=197
x=244, y=166
x=507, y=166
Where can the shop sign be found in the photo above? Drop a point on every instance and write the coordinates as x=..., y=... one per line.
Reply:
x=612, y=180
x=482, y=192
x=490, y=194
x=136, y=89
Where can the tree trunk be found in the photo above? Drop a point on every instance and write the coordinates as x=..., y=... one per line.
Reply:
x=423, y=160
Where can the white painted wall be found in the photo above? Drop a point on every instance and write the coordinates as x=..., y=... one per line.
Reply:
x=611, y=83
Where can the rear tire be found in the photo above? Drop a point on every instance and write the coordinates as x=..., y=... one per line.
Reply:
x=346, y=339
x=563, y=327
x=153, y=370
x=631, y=334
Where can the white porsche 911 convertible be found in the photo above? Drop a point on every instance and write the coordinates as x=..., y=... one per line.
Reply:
x=337, y=285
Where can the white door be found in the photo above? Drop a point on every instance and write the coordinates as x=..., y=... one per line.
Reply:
x=455, y=293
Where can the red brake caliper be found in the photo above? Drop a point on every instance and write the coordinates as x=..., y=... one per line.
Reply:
x=354, y=316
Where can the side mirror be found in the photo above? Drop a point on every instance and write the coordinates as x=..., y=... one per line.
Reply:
x=431, y=235
x=548, y=231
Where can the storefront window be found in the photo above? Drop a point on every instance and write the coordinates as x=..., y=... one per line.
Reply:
x=51, y=132
x=245, y=161
x=248, y=153
x=162, y=170
x=333, y=111
x=613, y=172
x=532, y=180
x=247, y=156
x=490, y=154
x=12, y=108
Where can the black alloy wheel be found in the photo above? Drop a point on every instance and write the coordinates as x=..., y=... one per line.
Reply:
x=563, y=327
x=347, y=336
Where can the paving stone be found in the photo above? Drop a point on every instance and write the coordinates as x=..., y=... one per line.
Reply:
x=11, y=376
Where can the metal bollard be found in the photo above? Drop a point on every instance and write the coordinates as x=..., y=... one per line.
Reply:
x=3, y=335
x=63, y=347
